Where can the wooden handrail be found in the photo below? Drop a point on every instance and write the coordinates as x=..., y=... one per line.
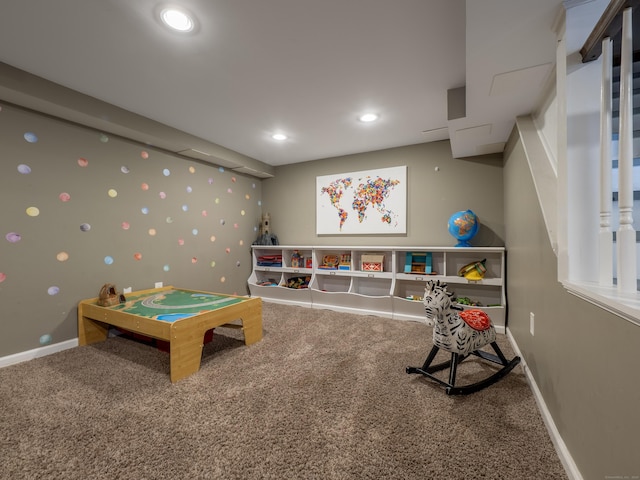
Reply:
x=609, y=25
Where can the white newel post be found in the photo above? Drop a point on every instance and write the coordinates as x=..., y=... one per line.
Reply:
x=626, y=236
x=605, y=239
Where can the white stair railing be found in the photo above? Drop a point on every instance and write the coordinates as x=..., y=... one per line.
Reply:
x=626, y=235
x=605, y=238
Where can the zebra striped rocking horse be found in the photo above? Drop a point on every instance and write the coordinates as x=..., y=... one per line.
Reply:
x=462, y=333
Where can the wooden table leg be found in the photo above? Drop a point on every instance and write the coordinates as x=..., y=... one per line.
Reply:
x=185, y=351
x=90, y=331
x=252, y=325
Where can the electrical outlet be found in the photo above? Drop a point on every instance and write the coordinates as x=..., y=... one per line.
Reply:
x=126, y=290
x=158, y=284
x=532, y=318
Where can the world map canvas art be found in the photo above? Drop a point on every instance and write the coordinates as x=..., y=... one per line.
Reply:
x=358, y=203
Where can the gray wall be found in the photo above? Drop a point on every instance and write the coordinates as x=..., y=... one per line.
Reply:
x=39, y=290
x=474, y=183
x=584, y=360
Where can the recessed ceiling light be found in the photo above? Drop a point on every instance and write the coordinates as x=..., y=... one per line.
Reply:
x=279, y=136
x=177, y=19
x=368, y=117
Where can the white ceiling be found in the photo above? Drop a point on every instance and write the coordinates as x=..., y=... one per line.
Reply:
x=303, y=67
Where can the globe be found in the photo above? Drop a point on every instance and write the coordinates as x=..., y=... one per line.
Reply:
x=463, y=226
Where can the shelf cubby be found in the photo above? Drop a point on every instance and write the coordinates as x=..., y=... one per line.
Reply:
x=394, y=291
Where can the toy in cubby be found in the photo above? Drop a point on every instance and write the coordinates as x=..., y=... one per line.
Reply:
x=373, y=262
x=329, y=262
x=298, y=282
x=418, y=263
x=345, y=262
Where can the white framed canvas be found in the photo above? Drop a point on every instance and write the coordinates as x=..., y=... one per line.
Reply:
x=358, y=203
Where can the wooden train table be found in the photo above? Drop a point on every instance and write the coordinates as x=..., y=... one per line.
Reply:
x=180, y=317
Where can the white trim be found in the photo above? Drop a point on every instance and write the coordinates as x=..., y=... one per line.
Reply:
x=37, y=352
x=561, y=449
x=545, y=177
x=624, y=305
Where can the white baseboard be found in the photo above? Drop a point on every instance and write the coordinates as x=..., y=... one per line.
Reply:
x=37, y=352
x=563, y=452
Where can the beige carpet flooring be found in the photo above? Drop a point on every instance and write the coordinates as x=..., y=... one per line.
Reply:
x=324, y=395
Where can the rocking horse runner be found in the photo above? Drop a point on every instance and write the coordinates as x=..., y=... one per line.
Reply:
x=462, y=333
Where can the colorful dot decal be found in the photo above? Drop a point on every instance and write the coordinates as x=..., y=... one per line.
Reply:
x=33, y=211
x=45, y=339
x=122, y=172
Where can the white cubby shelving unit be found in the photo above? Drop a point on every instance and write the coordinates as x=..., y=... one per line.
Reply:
x=395, y=292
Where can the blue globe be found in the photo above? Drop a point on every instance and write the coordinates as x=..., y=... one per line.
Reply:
x=463, y=226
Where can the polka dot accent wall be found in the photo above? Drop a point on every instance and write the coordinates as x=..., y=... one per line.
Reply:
x=82, y=208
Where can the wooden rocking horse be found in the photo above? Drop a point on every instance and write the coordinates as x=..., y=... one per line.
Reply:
x=462, y=333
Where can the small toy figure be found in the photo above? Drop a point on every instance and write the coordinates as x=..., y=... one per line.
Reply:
x=296, y=259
